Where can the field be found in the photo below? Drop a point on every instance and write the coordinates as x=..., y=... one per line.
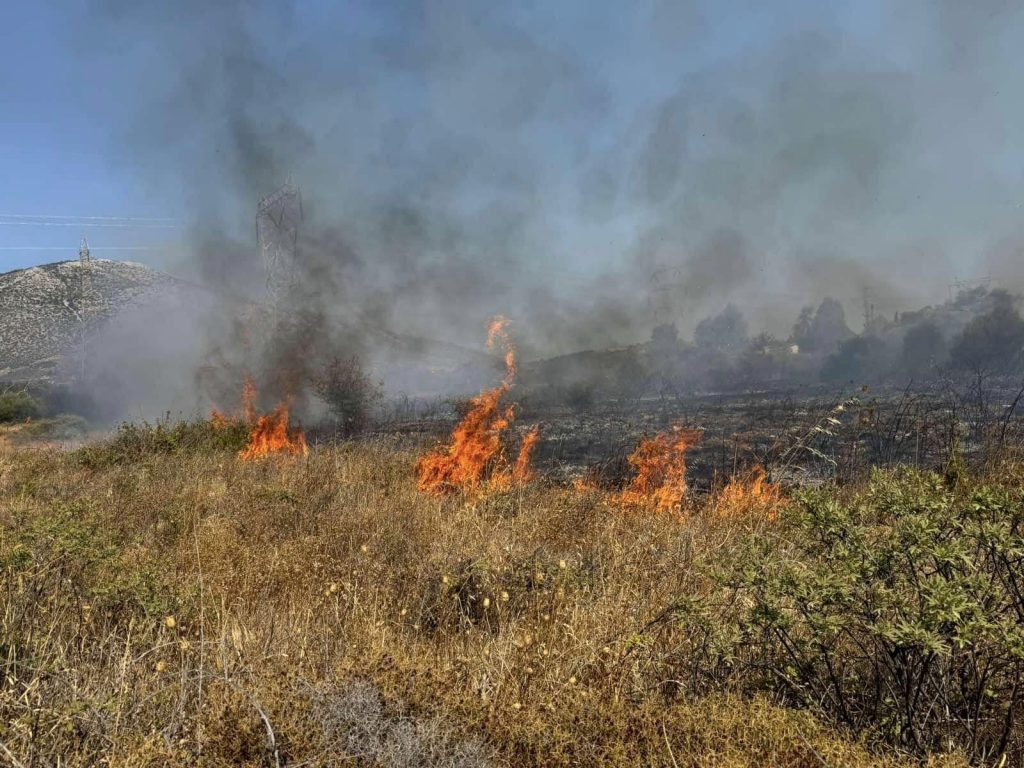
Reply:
x=166, y=603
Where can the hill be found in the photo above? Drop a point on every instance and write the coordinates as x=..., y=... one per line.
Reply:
x=43, y=309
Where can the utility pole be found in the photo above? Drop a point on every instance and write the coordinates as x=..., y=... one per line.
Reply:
x=85, y=304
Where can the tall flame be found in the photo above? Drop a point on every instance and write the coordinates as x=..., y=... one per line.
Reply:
x=272, y=434
x=660, y=464
x=475, y=454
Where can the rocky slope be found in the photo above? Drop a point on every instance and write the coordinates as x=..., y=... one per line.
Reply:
x=43, y=310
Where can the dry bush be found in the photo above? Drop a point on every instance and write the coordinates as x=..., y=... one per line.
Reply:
x=186, y=607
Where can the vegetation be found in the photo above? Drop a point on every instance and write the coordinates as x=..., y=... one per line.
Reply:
x=167, y=603
x=349, y=392
x=17, y=405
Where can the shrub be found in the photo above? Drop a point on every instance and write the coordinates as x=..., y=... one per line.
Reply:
x=17, y=405
x=134, y=442
x=348, y=391
x=898, y=614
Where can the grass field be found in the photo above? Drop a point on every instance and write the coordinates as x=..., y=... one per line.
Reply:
x=166, y=603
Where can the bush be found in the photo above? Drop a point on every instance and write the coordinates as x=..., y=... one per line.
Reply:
x=348, y=391
x=898, y=614
x=17, y=405
x=134, y=442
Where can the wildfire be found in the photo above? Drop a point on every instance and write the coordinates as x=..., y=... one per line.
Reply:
x=476, y=453
x=272, y=434
x=660, y=464
x=750, y=492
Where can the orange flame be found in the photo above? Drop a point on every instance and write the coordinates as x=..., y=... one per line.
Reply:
x=660, y=464
x=272, y=434
x=476, y=454
x=219, y=420
x=523, y=470
x=750, y=493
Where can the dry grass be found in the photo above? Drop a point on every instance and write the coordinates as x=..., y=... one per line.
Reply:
x=192, y=608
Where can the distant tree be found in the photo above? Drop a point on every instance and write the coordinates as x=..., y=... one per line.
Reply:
x=991, y=343
x=725, y=332
x=924, y=349
x=764, y=360
x=801, y=334
x=858, y=360
x=825, y=331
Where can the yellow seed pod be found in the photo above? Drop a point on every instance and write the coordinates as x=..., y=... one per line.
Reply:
x=170, y=622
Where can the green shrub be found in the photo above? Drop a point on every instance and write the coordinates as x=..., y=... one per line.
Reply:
x=899, y=613
x=134, y=442
x=17, y=405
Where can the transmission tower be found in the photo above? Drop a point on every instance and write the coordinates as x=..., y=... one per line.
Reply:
x=277, y=228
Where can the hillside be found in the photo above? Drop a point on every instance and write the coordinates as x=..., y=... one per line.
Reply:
x=42, y=308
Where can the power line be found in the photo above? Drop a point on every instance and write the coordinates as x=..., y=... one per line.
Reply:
x=80, y=224
x=86, y=218
x=91, y=248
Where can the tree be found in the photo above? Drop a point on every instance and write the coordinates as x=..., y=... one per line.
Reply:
x=824, y=331
x=857, y=359
x=991, y=343
x=724, y=332
x=924, y=349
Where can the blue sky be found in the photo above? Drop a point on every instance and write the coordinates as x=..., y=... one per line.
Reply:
x=836, y=140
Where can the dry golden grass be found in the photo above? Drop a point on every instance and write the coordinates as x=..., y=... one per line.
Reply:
x=195, y=609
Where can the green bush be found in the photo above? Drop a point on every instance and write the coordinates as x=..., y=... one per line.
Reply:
x=17, y=405
x=134, y=442
x=900, y=613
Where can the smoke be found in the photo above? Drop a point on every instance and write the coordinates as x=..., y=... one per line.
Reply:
x=459, y=159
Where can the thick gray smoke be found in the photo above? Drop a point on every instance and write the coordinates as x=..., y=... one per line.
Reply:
x=460, y=159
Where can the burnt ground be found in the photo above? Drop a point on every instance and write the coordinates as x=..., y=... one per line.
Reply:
x=801, y=437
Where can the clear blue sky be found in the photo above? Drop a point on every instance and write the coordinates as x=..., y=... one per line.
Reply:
x=937, y=80
x=58, y=133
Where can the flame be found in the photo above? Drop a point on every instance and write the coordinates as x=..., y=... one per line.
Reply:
x=272, y=434
x=660, y=464
x=476, y=454
x=219, y=420
x=748, y=493
x=523, y=471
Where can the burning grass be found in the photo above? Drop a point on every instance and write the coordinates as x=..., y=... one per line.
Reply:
x=269, y=434
x=167, y=607
x=476, y=455
x=194, y=609
x=660, y=464
x=750, y=492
